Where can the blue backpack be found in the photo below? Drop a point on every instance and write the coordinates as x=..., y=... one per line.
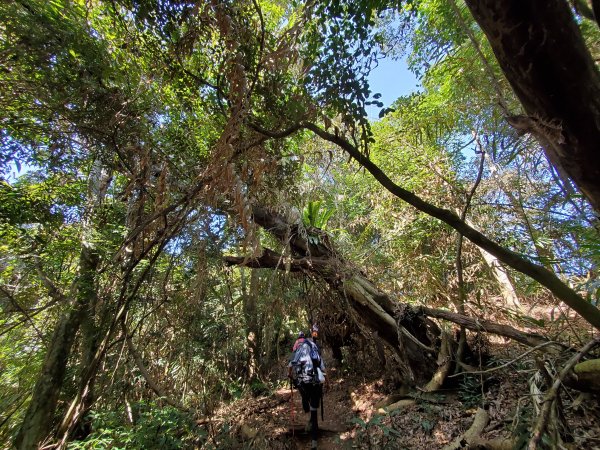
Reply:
x=306, y=361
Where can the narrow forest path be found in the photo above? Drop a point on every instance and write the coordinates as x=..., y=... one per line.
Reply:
x=334, y=430
x=353, y=418
x=277, y=421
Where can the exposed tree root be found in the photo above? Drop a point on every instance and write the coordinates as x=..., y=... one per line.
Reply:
x=444, y=362
x=494, y=444
x=398, y=405
x=468, y=438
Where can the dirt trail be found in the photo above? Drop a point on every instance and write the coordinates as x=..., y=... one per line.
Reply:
x=351, y=419
x=333, y=430
x=277, y=423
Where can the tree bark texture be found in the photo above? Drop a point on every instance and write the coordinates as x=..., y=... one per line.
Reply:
x=544, y=57
x=38, y=419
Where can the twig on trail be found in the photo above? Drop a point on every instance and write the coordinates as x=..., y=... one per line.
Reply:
x=493, y=369
x=552, y=394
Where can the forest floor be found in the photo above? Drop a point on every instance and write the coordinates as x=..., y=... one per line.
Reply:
x=354, y=418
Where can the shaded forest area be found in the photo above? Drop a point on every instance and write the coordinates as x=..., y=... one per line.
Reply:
x=186, y=185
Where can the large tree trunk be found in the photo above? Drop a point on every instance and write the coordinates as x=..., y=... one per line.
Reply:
x=544, y=57
x=38, y=421
x=500, y=274
x=376, y=309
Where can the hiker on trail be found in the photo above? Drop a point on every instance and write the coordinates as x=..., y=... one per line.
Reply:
x=299, y=341
x=306, y=369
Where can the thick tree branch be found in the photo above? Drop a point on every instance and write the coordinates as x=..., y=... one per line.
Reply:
x=529, y=339
x=512, y=259
x=354, y=286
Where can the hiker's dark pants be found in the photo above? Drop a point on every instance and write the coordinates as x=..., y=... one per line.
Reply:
x=311, y=399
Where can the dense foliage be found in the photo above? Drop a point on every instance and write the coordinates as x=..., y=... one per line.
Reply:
x=137, y=137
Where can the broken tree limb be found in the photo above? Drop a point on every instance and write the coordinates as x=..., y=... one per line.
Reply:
x=373, y=307
x=365, y=300
x=529, y=339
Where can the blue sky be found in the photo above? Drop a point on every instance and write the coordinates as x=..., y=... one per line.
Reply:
x=392, y=79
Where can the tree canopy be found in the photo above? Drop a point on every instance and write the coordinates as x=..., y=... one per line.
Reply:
x=159, y=159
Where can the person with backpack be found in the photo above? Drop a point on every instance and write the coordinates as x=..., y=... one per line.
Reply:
x=299, y=341
x=306, y=369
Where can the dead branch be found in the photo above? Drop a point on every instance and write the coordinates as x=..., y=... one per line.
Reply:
x=529, y=339
x=552, y=394
x=512, y=361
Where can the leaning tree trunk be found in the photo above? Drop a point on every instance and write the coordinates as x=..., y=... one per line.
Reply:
x=38, y=421
x=407, y=330
x=544, y=57
x=500, y=274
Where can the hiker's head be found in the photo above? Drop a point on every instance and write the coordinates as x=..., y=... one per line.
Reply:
x=314, y=331
x=301, y=334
